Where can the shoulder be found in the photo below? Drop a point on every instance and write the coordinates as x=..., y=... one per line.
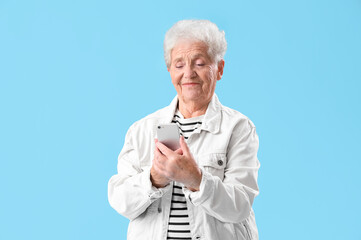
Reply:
x=236, y=123
x=236, y=117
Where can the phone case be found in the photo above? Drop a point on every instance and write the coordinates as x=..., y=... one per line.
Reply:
x=168, y=134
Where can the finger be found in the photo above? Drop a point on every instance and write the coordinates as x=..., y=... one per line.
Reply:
x=158, y=167
x=159, y=171
x=155, y=143
x=156, y=150
x=164, y=149
x=184, y=146
x=156, y=153
x=159, y=157
x=179, y=151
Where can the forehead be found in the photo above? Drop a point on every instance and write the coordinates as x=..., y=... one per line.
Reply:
x=189, y=49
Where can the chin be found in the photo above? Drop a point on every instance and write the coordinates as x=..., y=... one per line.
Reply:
x=193, y=97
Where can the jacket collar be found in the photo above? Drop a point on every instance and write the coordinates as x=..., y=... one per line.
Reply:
x=212, y=119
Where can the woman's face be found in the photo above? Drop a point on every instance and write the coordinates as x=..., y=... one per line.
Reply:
x=193, y=73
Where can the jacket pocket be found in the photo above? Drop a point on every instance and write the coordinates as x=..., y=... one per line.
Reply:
x=213, y=163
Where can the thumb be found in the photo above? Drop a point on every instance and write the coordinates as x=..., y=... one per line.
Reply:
x=179, y=151
x=184, y=146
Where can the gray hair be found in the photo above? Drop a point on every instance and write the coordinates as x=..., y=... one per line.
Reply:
x=197, y=30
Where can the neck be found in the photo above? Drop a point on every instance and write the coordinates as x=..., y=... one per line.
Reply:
x=192, y=109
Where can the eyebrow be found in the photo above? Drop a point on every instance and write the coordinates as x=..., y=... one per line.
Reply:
x=177, y=59
x=198, y=55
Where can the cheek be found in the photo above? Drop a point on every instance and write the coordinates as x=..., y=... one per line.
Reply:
x=175, y=78
x=212, y=74
x=209, y=81
x=208, y=77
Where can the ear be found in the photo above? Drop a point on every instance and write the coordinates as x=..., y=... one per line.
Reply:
x=220, y=69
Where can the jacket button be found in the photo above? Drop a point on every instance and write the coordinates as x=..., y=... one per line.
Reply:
x=159, y=210
x=220, y=162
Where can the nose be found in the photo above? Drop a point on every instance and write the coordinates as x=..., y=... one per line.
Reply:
x=189, y=72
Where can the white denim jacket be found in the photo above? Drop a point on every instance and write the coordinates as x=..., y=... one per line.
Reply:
x=225, y=148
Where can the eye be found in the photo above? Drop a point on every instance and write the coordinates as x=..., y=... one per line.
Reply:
x=179, y=65
x=200, y=63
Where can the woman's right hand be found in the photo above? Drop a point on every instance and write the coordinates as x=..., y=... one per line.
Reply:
x=158, y=180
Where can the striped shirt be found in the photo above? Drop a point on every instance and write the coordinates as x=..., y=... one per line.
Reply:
x=178, y=227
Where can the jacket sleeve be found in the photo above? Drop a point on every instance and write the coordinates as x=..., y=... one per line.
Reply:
x=231, y=200
x=130, y=192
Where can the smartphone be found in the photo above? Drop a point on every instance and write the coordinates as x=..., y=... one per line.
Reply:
x=168, y=134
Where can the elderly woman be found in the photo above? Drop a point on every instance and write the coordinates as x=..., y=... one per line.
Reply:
x=204, y=189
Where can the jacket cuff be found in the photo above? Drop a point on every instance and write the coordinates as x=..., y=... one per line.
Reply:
x=153, y=192
x=206, y=189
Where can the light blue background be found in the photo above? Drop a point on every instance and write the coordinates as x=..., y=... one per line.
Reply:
x=76, y=74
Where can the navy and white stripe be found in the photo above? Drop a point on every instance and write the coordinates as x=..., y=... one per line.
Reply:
x=187, y=126
x=178, y=227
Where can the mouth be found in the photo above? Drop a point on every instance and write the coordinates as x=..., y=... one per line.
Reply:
x=190, y=84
